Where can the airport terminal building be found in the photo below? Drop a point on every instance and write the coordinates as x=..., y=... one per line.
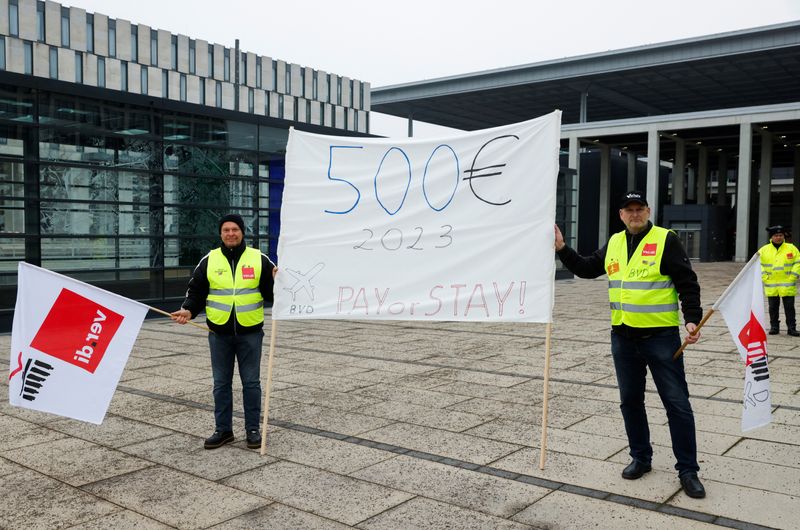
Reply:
x=121, y=146
x=708, y=126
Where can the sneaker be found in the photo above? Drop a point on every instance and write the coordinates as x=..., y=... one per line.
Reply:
x=253, y=439
x=218, y=439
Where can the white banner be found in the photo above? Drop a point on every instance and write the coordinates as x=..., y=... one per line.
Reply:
x=69, y=344
x=742, y=306
x=457, y=228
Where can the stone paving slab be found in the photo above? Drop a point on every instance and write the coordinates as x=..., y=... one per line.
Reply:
x=409, y=425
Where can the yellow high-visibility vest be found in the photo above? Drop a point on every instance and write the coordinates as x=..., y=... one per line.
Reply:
x=229, y=289
x=640, y=296
x=780, y=268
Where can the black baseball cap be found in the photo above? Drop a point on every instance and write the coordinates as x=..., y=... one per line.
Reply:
x=632, y=196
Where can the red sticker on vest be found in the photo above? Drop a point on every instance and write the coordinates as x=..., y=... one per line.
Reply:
x=248, y=273
x=613, y=267
x=649, y=249
x=789, y=256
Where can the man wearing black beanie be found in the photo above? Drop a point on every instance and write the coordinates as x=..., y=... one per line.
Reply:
x=231, y=284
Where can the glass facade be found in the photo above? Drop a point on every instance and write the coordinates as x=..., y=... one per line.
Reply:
x=127, y=197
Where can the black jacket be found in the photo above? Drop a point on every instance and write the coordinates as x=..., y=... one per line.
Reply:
x=674, y=263
x=198, y=289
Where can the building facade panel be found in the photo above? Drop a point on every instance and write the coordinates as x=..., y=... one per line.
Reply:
x=281, y=77
x=201, y=57
x=4, y=19
x=90, y=69
x=251, y=70
x=52, y=23
x=41, y=59
x=77, y=29
x=267, y=79
x=227, y=96
x=296, y=76
x=113, y=74
x=174, y=79
x=219, y=62
x=143, y=38
x=274, y=104
x=322, y=86
x=164, y=49
x=154, y=82
x=123, y=37
x=346, y=92
x=134, y=78
x=259, y=106
x=193, y=89
x=288, y=107
x=66, y=65
x=101, y=35
x=28, y=28
x=183, y=54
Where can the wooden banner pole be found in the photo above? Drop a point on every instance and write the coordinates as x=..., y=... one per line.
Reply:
x=543, y=444
x=265, y=409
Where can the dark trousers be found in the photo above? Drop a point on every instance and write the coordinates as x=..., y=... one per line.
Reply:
x=632, y=358
x=246, y=350
x=774, y=303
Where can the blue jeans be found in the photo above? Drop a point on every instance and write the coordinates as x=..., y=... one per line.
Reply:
x=632, y=358
x=246, y=349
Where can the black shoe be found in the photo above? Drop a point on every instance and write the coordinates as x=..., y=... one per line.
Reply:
x=635, y=470
x=793, y=332
x=692, y=486
x=774, y=331
x=218, y=439
x=253, y=439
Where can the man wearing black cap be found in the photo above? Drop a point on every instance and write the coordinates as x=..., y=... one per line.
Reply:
x=780, y=268
x=231, y=284
x=648, y=273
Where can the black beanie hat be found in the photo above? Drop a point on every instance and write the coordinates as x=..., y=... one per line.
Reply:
x=233, y=218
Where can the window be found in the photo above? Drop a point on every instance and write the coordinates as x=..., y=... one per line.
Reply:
x=314, y=89
x=2, y=53
x=53, y=62
x=302, y=81
x=218, y=94
x=330, y=90
x=338, y=90
x=251, y=101
x=183, y=87
x=274, y=75
x=355, y=120
x=226, y=65
x=295, y=109
x=308, y=111
x=27, y=48
x=164, y=84
x=351, y=93
x=90, y=33
x=40, y=21
x=78, y=67
x=123, y=72
x=288, y=79
x=174, y=52
x=202, y=91
x=361, y=96
x=258, y=72
x=192, y=57
x=143, y=80
x=244, y=68
x=210, y=60
x=266, y=103
x=13, y=18
x=65, y=27
x=280, y=106
x=101, y=72
x=154, y=47
x=135, y=43
x=112, y=38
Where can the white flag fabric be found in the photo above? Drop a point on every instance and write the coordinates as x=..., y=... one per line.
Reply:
x=69, y=344
x=742, y=306
x=457, y=228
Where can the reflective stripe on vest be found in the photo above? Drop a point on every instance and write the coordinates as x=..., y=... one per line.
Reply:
x=779, y=269
x=239, y=289
x=639, y=295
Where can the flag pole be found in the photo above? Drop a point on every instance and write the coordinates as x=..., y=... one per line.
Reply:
x=695, y=332
x=543, y=444
x=265, y=409
x=195, y=324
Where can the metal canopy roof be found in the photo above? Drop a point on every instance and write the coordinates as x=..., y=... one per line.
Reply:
x=758, y=66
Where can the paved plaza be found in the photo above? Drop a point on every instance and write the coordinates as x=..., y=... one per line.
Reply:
x=402, y=425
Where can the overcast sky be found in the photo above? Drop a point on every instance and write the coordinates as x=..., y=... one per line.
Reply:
x=388, y=43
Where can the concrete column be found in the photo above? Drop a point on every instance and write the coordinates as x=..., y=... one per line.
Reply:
x=764, y=182
x=584, y=106
x=722, y=178
x=653, y=164
x=631, y=171
x=604, y=200
x=410, y=126
x=795, y=195
x=691, y=184
x=574, y=162
x=679, y=173
x=743, y=179
x=702, y=174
